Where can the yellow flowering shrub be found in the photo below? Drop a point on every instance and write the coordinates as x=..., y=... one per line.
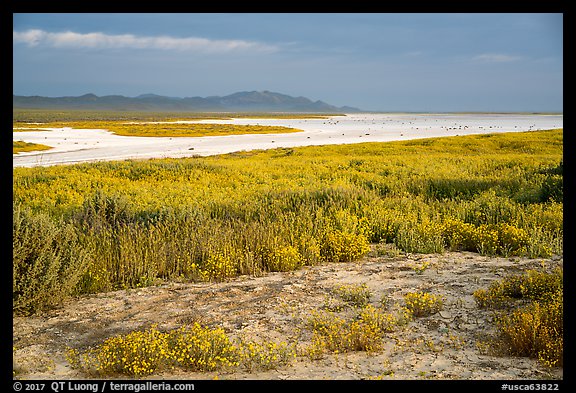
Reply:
x=538, y=285
x=503, y=238
x=168, y=129
x=335, y=334
x=21, y=146
x=532, y=285
x=486, y=239
x=199, y=348
x=386, y=322
x=195, y=347
x=282, y=259
x=264, y=355
x=458, y=235
x=218, y=266
x=423, y=304
x=535, y=329
x=135, y=354
x=364, y=332
x=338, y=246
x=513, y=240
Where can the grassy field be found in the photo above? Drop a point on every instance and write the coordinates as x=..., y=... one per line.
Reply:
x=95, y=227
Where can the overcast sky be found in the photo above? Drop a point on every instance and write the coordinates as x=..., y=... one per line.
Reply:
x=383, y=62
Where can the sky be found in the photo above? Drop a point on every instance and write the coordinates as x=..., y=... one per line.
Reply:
x=373, y=61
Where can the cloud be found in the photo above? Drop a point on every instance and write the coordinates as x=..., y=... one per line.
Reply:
x=70, y=39
x=495, y=58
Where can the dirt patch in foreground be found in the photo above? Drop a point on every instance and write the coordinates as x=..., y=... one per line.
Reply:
x=276, y=306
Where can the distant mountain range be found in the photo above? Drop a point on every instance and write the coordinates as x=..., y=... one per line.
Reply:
x=253, y=101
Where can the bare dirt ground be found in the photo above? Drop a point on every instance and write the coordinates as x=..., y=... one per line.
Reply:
x=275, y=306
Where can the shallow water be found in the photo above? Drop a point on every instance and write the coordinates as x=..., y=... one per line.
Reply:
x=71, y=146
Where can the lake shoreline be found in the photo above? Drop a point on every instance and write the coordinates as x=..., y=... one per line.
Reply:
x=88, y=145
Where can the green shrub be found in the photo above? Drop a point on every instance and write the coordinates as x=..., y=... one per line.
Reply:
x=354, y=295
x=490, y=208
x=456, y=188
x=103, y=210
x=423, y=237
x=47, y=261
x=552, y=189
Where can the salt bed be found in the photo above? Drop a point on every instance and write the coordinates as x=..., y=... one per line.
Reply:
x=73, y=146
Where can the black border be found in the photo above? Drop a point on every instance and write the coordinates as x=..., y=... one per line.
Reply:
x=438, y=6
x=306, y=385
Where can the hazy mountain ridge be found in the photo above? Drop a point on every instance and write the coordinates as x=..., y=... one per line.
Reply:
x=240, y=102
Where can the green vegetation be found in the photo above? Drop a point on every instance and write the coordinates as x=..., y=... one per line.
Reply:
x=210, y=218
x=354, y=295
x=54, y=115
x=535, y=329
x=20, y=146
x=48, y=260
